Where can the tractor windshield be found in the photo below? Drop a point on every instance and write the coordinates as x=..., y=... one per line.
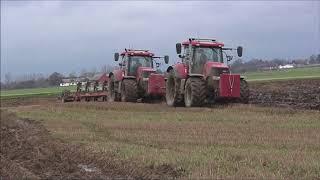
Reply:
x=203, y=54
x=139, y=61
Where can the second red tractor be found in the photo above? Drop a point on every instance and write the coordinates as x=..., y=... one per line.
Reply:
x=136, y=77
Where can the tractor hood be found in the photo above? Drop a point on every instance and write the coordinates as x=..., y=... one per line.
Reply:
x=214, y=65
x=145, y=72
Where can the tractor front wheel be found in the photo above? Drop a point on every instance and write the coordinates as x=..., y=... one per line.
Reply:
x=173, y=97
x=195, y=92
x=112, y=94
x=129, y=90
x=244, y=91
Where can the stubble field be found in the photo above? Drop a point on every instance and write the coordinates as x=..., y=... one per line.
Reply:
x=135, y=140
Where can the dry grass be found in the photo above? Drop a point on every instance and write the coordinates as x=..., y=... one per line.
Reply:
x=233, y=141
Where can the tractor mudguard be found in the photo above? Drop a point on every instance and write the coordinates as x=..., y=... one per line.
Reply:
x=229, y=85
x=156, y=85
x=118, y=75
x=181, y=71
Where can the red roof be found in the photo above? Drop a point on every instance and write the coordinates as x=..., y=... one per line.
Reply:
x=100, y=77
x=203, y=43
x=137, y=53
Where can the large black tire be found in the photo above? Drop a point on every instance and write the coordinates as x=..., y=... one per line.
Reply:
x=244, y=92
x=112, y=94
x=173, y=97
x=195, y=92
x=129, y=90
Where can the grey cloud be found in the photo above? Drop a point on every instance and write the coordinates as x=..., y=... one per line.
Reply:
x=68, y=36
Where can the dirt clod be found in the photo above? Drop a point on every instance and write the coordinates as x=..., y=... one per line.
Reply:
x=300, y=94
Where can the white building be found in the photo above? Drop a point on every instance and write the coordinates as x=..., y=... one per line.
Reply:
x=287, y=66
x=72, y=81
x=68, y=82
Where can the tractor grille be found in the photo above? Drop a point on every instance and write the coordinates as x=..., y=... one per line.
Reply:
x=218, y=71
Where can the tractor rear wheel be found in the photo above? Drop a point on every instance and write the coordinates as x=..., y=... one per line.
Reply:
x=112, y=94
x=173, y=97
x=129, y=90
x=195, y=92
x=244, y=91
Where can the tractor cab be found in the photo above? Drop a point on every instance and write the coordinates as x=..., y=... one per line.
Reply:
x=137, y=62
x=204, y=56
x=133, y=60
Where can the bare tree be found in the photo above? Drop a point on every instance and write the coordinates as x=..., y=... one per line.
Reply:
x=83, y=72
x=73, y=74
x=55, y=78
x=109, y=68
x=103, y=69
x=8, y=78
x=93, y=71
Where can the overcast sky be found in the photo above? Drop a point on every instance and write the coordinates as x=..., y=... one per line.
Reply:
x=43, y=37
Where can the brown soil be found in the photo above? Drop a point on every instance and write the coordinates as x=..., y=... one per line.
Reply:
x=302, y=94
x=22, y=101
x=29, y=151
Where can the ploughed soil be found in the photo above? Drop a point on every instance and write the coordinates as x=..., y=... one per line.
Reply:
x=28, y=151
x=301, y=94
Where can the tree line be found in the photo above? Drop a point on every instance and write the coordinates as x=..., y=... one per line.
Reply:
x=39, y=80
x=54, y=79
x=241, y=66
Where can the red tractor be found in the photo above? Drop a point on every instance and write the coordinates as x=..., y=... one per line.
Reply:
x=136, y=77
x=202, y=77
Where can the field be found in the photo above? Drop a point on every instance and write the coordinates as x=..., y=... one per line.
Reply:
x=221, y=142
x=276, y=136
x=299, y=73
x=34, y=92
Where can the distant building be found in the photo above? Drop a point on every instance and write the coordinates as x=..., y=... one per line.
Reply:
x=101, y=77
x=68, y=82
x=268, y=68
x=287, y=66
x=71, y=81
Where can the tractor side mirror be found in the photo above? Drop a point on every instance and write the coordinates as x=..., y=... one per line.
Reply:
x=166, y=59
x=178, y=48
x=116, y=56
x=239, y=51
